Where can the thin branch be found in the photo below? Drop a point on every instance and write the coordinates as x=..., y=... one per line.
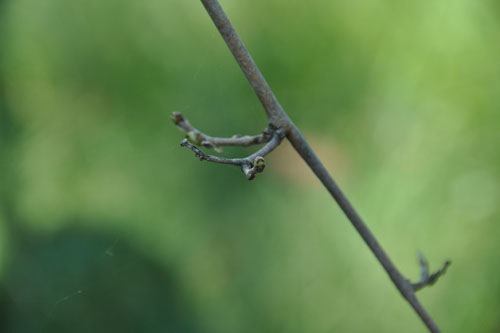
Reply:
x=250, y=165
x=279, y=119
x=199, y=138
x=427, y=279
x=275, y=113
x=402, y=284
x=210, y=158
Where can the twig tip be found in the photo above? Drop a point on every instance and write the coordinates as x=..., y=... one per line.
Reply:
x=427, y=279
x=177, y=118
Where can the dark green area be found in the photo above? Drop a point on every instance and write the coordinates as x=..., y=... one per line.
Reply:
x=107, y=224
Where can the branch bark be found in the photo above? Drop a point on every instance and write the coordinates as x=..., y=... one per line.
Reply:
x=199, y=138
x=279, y=120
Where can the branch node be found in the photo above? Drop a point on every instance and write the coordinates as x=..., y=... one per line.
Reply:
x=252, y=169
x=194, y=137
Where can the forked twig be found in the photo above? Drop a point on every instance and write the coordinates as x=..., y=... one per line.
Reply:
x=250, y=165
x=427, y=279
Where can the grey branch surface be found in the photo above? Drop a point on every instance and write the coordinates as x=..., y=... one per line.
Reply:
x=280, y=125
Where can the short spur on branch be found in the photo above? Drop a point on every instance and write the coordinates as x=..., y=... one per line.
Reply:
x=427, y=279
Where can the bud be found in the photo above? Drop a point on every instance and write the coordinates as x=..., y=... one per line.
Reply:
x=176, y=117
x=259, y=163
x=194, y=137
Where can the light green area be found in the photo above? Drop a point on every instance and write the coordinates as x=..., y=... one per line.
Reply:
x=401, y=99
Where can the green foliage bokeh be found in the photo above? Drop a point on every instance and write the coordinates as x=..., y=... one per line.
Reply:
x=401, y=101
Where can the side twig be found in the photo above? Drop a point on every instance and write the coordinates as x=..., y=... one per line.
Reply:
x=281, y=125
x=197, y=137
x=427, y=279
x=250, y=165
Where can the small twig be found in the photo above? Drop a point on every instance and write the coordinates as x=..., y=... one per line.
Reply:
x=425, y=278
x=250, y=165
x=199, y=138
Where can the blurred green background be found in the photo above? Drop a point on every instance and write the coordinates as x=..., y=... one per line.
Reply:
x=106, y=224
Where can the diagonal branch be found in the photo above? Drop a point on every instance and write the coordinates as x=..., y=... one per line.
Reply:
x=278, y=119
x=275, y=113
